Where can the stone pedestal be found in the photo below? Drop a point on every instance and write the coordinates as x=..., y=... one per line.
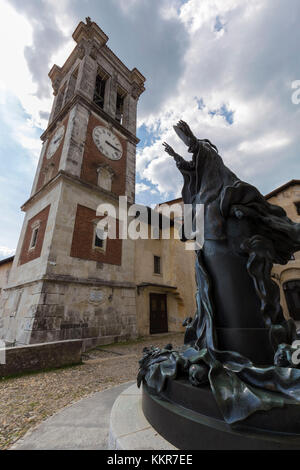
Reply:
x=129, y=429
x=189, y=418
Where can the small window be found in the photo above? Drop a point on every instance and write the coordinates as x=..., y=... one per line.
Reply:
x=297, y=204
x=99, y=92
x=120, y=107
x=99, y=241
x=34, y=238
x=157, y=267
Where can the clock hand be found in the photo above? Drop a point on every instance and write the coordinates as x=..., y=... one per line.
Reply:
x=115, y=148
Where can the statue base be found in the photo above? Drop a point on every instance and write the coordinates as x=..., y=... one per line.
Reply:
x=188, y=417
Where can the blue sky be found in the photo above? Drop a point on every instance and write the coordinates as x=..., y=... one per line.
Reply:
x=224, y=66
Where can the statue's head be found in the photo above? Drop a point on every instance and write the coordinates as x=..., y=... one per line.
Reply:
x=182, y=130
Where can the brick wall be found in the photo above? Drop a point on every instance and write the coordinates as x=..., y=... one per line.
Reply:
x=92, y=158
x=51, y=164
x=27, y=253
x=83, y=238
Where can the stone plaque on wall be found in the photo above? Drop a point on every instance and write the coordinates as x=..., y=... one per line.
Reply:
x=97, y=296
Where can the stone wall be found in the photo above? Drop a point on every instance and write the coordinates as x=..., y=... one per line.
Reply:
x=176, y=280
x=4, y=273
x=40, y=356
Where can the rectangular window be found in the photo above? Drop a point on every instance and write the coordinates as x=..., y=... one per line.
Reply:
x=157, y=267
x=120, y=107
x=99, y=240
x=297, y=204
x=99, y=92
x=34, y=238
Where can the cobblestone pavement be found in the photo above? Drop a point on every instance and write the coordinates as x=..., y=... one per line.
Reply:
x=27, y=400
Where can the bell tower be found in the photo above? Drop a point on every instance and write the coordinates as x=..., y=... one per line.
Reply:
x=65, y=282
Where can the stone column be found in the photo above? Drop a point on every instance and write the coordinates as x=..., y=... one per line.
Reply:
x=132, y=114
x=70, y=88
x=74, y=143
x=87, y=77
x=126, y=111
x=113, y=95
x=106, y=107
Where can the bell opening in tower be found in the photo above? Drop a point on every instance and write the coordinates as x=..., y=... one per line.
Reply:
x=120, y=107
x=99, y=93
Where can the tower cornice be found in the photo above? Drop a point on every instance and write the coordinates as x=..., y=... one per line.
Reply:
x=89, y=30
x=91, y=106
x=90, y=39
x=67, y=177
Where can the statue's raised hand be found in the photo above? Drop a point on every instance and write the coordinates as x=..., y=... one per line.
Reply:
x=169, y=150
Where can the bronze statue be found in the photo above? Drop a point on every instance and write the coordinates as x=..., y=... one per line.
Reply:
x=238, y=341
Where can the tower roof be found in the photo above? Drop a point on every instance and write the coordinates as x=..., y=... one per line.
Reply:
x=90, y=32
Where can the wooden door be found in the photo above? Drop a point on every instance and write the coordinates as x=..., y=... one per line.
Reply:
x=158, y=313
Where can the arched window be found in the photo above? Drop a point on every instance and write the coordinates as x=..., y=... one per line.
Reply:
x=99, y=92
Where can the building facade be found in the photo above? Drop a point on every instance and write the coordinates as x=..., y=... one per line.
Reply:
x=65, y=282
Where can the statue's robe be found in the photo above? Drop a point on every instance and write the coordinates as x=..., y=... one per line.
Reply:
x=233, y=272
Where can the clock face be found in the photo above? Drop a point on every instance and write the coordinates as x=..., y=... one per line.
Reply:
x=107, y=143
x=55, y=141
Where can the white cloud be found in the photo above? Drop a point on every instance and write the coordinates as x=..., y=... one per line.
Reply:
x=140, y=187
x=127, y=5
x=33, y=42
x=27, y=56
x=197, y=14
x=249, y=70
x=264, y=143
x=22, y=129
x=6, y=252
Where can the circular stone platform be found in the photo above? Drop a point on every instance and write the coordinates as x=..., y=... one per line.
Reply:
x=81, y=426
x=129, y=429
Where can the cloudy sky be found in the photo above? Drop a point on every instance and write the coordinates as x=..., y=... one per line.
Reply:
x=224, y=66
